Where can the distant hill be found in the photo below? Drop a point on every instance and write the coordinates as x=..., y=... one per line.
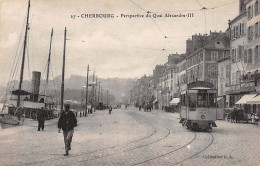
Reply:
x=118, y=87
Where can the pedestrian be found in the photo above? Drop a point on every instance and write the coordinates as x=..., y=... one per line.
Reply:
x=110, y=110
x=140, y=107
x=41, y=119
x=80, y=114
x=253, y=118
x=67, y=122
x=256, y=118
x=234, y=115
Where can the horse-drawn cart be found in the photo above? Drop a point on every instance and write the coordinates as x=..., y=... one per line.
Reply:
x=235, y=115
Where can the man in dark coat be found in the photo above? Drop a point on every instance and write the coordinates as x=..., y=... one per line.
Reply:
x=41, y=119
x=67, y=122
x=110, y=110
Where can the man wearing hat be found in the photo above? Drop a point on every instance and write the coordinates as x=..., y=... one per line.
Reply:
x=67, y=122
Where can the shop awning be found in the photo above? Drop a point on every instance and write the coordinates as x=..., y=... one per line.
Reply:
x=255, y=100
x=175, y=101
x=253, y=70
x=20, y=92
x=246, y=98
x=219, y=98
x=155, y=101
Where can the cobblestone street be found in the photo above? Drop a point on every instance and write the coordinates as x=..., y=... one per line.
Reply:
x=131, y=137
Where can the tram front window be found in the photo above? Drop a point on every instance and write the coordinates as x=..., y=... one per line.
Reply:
x=202, y=99
x=212, y=100
x=192, y=100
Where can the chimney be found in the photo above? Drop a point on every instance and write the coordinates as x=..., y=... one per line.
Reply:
x=36, y=80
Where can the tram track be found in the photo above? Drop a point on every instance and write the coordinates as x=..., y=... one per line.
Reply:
x=108, y=148
x=131, y=149
x=197, y=153
x=182, y=147
x=142, y=121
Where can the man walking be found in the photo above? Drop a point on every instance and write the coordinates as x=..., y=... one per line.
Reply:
x=110, y=110
x=41, y=119
x=67, y=122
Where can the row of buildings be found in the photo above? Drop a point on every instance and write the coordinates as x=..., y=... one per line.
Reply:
x=230, y=60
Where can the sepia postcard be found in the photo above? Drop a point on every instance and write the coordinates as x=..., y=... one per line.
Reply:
x=129, y=82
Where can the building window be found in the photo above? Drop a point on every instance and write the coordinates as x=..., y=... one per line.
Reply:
x=233, y=55
x=214, y=82
x=221, y=89
x=236, y=31
x=233, y=78
x=257, y=53
x=250, y=33
x=238, y=75
x=209, y=70
x=215, y=70
x=200, y=72
x=232, y=33
x=259, y=26
x=256, y=30
x=240, y=49
x=221, y=72
x=249, y=58
x=243, y=29
x=227, y=71
x=212, y=70
x=249, y=11
x=214, y=55
x=256, y=8
x=245, y=55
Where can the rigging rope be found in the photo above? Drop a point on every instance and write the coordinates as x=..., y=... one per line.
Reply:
x=28, y=59
x=13, y=69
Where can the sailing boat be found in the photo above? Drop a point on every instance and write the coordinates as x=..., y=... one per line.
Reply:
x=27, y=104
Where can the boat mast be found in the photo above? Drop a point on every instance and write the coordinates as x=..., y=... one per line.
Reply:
x=48, y=67
x=23, y=59
x=63, y=70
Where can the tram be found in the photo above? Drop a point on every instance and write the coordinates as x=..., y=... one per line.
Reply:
x=198, y=110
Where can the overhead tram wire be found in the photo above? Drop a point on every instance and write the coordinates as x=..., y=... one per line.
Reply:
x=138, y=6
x=188, y=10
x=223, y=5
x=157, y=58
x=199, y=3
x=205, y=20
x=146, y=11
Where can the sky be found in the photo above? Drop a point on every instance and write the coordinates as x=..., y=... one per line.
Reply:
x=113, y=47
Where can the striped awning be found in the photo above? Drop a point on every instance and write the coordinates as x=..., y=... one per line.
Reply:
x=246, y=98
x=255, y=100
x=175, y=101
